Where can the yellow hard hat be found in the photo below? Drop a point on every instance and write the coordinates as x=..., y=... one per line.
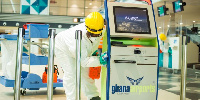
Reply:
x=162, y=37
x=94, y=23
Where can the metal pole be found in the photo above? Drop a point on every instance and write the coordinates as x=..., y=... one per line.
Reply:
x=78, y=37
x=183, y=63
x=18, y=67
x=29, y=51
x=184, y=69
x=50, y=64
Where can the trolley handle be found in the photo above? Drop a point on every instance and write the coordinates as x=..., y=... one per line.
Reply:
x=124, y=61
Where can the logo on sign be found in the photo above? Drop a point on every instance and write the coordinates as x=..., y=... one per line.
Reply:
x=135, y=82
x=134, y=88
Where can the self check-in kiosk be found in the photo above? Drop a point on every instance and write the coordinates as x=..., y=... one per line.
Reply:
x=133, y=67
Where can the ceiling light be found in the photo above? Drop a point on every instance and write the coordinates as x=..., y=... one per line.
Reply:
x=90, y=3
x=94, y=7
x=181, y=23
x=194, y=21
x=17, y=24
x=168, y=25
x=74, y=5
x=86, y=7
x=59, y=26
x=75, y=20
x=159, y=27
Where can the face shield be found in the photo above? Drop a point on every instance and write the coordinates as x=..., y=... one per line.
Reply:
x=93, y=39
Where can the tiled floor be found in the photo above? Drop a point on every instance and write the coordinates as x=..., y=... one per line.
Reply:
x=169, y=87
x=165, y=95
x=171, y=83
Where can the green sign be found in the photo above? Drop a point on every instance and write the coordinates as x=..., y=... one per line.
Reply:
x=161, y=11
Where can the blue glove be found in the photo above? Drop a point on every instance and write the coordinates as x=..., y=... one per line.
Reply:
x=103, y=58
x=170, y=50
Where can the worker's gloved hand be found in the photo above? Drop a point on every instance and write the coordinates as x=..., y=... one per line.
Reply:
x=170, y=50
x=103, y=58
x=95, y=53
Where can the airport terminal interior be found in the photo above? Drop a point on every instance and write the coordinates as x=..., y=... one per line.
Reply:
x=99, y=50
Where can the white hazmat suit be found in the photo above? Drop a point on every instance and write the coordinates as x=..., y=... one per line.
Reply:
x=65, y=50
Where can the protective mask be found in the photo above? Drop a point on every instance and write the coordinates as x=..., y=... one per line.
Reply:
x=93, y=39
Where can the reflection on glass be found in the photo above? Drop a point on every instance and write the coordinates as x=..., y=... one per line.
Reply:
x=88, y=11
x=57, y=11
x=8, y=2
x=76, y=3
x=75, y=12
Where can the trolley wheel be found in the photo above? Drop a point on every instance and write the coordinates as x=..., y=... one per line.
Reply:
x=23, y=92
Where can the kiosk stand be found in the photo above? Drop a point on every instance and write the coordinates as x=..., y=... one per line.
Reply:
x=133, y=52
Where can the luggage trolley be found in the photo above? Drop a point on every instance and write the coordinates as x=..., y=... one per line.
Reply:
x=30, y=80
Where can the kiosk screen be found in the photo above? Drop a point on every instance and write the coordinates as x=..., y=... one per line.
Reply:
x=131, y=20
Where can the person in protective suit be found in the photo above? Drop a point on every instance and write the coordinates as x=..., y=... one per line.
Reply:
x=65, y=50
